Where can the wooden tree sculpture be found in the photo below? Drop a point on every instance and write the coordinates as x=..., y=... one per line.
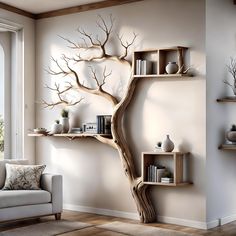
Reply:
x=138, y=189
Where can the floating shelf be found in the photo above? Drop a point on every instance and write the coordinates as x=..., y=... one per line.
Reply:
x=227, y=147
x=176, y=161
x=168, y=184
x=226, y=99
x=70, y=135
x=162, y=76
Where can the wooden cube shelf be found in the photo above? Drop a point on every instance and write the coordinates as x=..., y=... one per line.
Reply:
x=175, y=165
x=158, y=59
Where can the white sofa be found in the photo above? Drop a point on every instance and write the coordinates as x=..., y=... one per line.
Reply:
x=20, y=204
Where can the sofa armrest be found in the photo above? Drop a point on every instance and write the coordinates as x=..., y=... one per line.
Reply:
x=53, y=184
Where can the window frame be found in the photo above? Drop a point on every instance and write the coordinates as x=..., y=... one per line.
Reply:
x=17, y=89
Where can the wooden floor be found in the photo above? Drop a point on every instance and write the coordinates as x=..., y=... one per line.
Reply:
x=226, y=230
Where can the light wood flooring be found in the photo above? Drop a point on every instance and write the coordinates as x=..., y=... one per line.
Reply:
x=226, y=230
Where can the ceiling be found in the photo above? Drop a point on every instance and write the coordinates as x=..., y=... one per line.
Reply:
x=41, y=6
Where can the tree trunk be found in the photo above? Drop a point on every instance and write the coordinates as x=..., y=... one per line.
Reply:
x=138, y=189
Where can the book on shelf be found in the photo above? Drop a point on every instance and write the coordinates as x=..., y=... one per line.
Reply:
x=143, y=67
x=90, y=128
x=154, y=173
x=104, y=124
x=167, y=180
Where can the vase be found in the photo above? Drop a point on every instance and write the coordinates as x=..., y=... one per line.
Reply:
x=171, y=68
x=167, y=145
x=231, y=136
x=65, y=124
x=56, y=128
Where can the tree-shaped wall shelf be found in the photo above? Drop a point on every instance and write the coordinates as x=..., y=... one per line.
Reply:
x=117, y=139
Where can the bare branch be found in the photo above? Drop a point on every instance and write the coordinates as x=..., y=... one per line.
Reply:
x=93, y=71
x=73, y=44
x=62, y=100
x=232, y=68
x=226, y=82
x=105, y=76
x=126, y=45
x=60, y=72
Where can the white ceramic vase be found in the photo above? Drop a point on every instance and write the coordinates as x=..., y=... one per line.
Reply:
x=171, y=68
x=65, y=124
x=167, y=145
x=56, y=128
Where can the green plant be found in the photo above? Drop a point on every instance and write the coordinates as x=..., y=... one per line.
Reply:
x=233, y=128
x=159, y=144
x=1, y=134
x=65, y=113
x=167, y=174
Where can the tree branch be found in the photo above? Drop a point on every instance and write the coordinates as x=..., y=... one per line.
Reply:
x=126, y=45
x=99, y=91
x=59, y=95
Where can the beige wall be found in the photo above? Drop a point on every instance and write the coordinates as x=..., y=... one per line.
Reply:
x=93, y=176
x=29, y=78
x=220, y=44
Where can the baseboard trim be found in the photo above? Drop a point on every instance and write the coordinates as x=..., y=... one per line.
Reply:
x=188, y=223
x=163, y=219
x=227, y=219
x=100, y=211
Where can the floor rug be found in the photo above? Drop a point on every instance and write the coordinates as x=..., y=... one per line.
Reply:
x=141, y=230
x=50, y=228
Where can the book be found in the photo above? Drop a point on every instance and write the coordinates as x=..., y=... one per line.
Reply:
x=138, y=67
x=146, y=67
x=167, y=180
x=103, y=124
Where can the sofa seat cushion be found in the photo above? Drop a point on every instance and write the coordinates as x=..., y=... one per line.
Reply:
x=14, y=198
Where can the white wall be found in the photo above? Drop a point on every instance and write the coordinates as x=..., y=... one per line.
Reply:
x=93, y=175
x=29, y=77
x=220, y=168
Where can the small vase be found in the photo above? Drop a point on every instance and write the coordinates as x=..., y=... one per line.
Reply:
x=171, y=68
x=65, y=124
x=167, y=145
x=56, y=128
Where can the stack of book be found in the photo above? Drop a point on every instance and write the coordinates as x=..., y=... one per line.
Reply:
x=167, y=180
x=90, y=128
x=104, y=124
x=143, y=67
x=154, y=173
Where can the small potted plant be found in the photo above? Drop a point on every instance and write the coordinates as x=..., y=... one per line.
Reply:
x=158, y=147
x=231, y=135
x=56, y=127
x=65, y=121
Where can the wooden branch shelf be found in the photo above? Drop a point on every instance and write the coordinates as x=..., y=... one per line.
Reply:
x=227, y=147
x=168, y=185
x=71, y=135
x=226, y=99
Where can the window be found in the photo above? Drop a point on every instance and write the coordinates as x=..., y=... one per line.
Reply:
x=1, y=102
x=11, y=80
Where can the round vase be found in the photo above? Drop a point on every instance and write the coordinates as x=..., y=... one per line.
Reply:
x=65, y=124
x=167, y=145
x=171, y=68
x=231, y=136
x=56, y=128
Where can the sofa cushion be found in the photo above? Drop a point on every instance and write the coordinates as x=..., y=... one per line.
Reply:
x=23, y=177
x=3, y=168
x=23, y=197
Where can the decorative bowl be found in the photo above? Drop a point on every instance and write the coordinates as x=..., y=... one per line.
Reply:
x=40, y=130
